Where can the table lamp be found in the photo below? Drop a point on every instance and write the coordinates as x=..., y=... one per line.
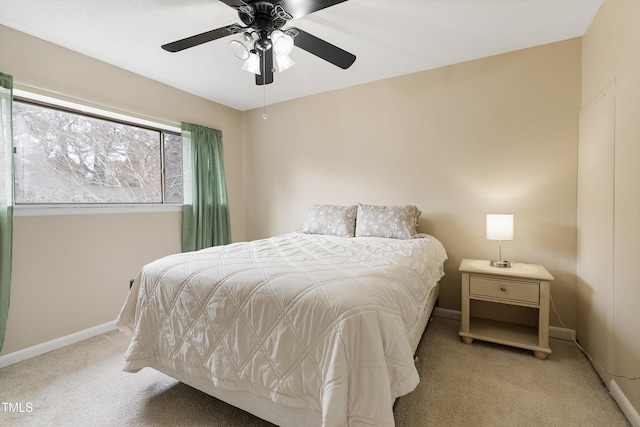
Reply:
x=500, y=227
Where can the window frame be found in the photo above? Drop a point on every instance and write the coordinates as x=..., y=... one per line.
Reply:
x=126, y=118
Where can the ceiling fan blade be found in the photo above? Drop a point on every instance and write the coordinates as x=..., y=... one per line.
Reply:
x=202, y=38
x=266, y=68
x=234, y=3
x=323, y=49
x=299, y=8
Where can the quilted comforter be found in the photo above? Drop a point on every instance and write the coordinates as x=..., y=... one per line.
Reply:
x=305, y=320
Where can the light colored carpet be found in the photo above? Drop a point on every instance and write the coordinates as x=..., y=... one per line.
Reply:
x=462, y=385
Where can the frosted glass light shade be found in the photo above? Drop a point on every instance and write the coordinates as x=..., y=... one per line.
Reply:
x=239, y=49
x=282, y=42
x=283, y=62
x=252, y=64
x=499, y=227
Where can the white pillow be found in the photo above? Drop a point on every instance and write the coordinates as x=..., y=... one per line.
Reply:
x=397, y=222
x=331, y=220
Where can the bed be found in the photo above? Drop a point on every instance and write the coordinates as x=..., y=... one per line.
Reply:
x=300, y=329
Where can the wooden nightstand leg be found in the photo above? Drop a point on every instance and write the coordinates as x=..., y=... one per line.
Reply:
x=540, y=355
x=465, y=306
x=543, y=316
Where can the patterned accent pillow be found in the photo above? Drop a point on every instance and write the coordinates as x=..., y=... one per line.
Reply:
x=397, y=222
x=331, y=220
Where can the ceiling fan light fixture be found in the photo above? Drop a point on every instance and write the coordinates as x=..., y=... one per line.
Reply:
x=283, y=62
x=282, y=42
x=242, y=48
x=239, y=49
x=252, y=64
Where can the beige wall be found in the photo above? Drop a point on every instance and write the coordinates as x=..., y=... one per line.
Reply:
x=608, y=303
x=487, y=136
x=72, y=272
x=493, y=135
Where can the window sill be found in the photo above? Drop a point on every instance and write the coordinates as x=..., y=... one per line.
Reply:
x=45, y=210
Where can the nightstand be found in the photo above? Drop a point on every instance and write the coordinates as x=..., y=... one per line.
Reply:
x=525, y=285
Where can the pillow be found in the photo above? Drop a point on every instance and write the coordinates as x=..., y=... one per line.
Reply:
x=330, y=219
x=397, y=222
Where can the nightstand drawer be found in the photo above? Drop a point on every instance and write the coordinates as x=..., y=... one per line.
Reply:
x=486, y=287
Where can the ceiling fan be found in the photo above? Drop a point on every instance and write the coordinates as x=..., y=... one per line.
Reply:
x=263, y=36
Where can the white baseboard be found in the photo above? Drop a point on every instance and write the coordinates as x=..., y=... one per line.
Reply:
x=624, y=404
x=45, y=347
x=562, y=333
x=554, y=331
x=446, y=313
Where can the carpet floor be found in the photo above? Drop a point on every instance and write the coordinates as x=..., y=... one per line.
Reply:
x=462, y=385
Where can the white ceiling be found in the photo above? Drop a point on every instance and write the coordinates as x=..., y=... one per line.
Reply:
x=388, y=37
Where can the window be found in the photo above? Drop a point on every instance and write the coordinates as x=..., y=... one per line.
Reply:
x=65, y=156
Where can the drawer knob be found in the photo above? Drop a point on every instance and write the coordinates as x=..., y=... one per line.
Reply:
x=502, y=288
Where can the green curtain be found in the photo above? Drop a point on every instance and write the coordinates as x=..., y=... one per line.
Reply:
x=6, y=197
x=205, y=213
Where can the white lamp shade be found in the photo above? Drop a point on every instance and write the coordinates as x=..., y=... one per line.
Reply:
x=282, y=42
x=239, y=49
x=252, y=64
x=499, y=227
x=283, y=62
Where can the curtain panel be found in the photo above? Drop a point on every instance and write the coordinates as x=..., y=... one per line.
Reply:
x=6, y=197
x=205, y=214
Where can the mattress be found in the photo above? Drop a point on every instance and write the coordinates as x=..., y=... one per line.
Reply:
x=315, y=324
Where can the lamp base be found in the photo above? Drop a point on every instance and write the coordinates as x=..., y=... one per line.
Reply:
x=501, y=264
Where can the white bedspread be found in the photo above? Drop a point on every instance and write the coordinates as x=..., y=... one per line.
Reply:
x=305, y=320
